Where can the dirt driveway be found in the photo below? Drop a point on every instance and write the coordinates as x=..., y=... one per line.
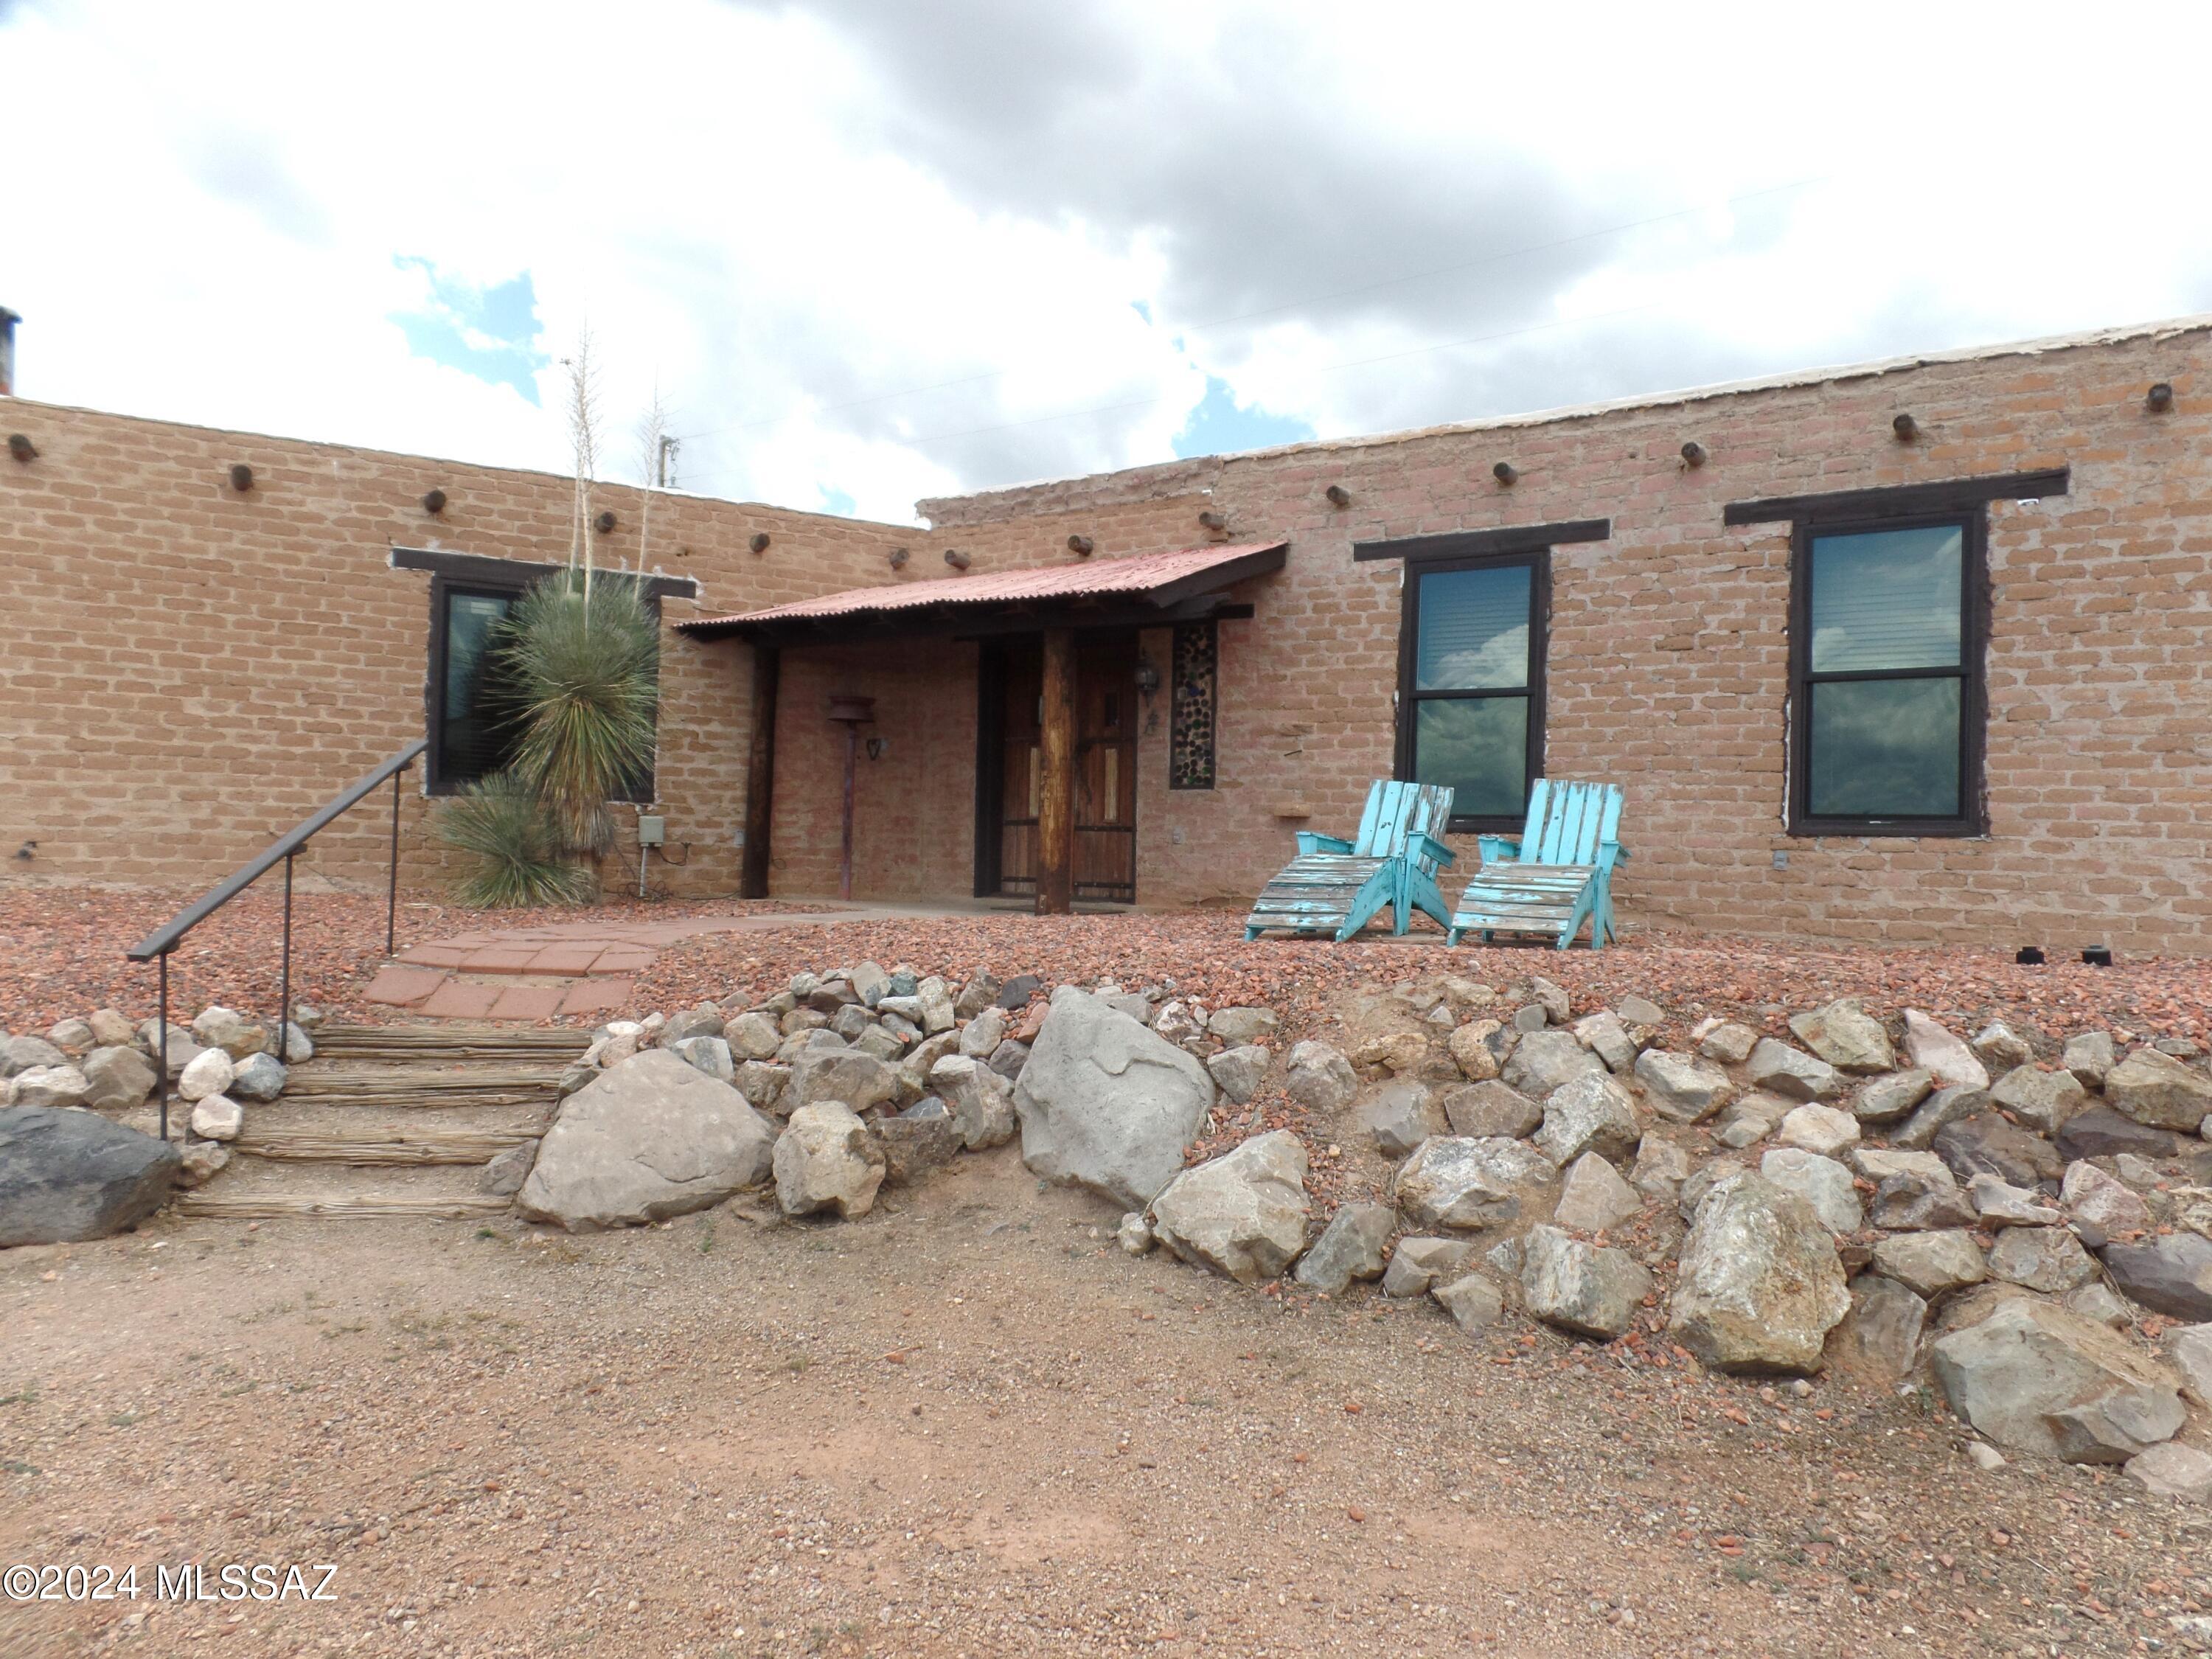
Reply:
x=968, y=1425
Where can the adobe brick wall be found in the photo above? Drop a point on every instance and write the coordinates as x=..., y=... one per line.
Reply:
x=1668, y=653
x=185, y=671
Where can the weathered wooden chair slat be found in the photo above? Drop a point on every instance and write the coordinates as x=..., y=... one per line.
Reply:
x=1556, y=877
x=1338, y=886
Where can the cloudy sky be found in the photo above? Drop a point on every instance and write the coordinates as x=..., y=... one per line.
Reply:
x=874, y=250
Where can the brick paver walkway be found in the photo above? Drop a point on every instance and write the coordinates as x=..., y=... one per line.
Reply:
x=582, y=967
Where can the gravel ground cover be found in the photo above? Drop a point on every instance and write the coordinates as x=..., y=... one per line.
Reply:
x=1204, y=953
x=968, y=1426
x=61, y=945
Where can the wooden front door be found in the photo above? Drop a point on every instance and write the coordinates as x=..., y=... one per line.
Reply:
x=1105, y=768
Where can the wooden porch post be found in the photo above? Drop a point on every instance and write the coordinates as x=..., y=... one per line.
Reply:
x=760, y=775
x=1055, y=856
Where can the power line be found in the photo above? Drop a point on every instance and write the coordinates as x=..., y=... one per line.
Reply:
x=1287, y=305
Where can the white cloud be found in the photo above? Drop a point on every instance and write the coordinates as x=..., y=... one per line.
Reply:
x=784, y=214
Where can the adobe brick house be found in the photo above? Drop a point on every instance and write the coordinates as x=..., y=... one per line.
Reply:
x=1861, y=676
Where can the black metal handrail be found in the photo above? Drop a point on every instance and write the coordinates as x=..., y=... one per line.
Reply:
x=157, y=944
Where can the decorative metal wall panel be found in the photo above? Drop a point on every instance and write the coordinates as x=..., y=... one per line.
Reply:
x=1195, y=686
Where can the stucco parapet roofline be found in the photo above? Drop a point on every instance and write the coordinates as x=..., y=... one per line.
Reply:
x=1144, y=483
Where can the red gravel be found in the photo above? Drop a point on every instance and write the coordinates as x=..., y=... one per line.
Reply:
x=1204, y=954
x=62, y=946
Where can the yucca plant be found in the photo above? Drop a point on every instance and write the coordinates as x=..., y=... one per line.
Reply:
x=513, y=847
x=582, y=658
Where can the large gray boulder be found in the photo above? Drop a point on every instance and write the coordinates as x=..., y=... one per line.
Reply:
x=1845, y=1036
x=2034, y=1377
x=1455, y=1181
x=1590, y=1113
x=1106, y=1105
x=1761, y=1284
x=2157, y=1090
x=650, y=1138
x=1591, y=1289
x=2172, y=1275
x=1349, y=1248
x=826, y=1159
x=1243, y=1213
x=66, y=1175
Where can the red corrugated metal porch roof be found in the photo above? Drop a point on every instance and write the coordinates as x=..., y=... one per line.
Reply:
x=1159, y=580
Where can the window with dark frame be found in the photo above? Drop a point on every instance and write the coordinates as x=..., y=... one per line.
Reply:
x=1889, y=623
x=1471, y=681
x=470, y=736
x=1885, y=696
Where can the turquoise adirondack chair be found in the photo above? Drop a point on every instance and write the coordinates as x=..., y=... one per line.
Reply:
x=1556, y=877
x=1338, y=886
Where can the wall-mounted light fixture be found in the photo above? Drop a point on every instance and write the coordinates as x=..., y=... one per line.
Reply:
x=1906, y=428
x=896, y=558
x=435, y=502
x=1505, y=472
x=1081, y=546
x=759, y=543
x=21, y=446
x=957, y=559
x=605, y=524
x=1214, y=521
x=1695, y=453
x=241, y=477
x=2161, y=397
x=1148, y=676
x=1338, y=496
